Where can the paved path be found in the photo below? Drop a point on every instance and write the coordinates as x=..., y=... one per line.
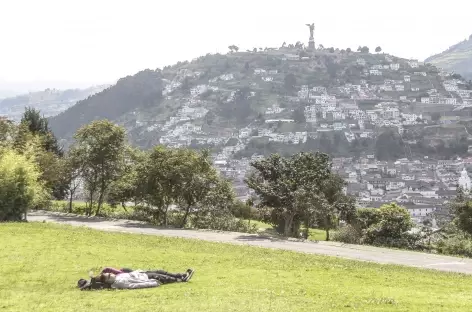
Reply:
x=364, y=253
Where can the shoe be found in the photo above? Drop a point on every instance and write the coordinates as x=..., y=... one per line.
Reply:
x=188, y=275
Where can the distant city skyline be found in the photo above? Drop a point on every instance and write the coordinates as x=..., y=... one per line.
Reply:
x=68, y=44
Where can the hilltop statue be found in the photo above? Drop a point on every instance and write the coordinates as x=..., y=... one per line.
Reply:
x=311, y=40
x=312, y=29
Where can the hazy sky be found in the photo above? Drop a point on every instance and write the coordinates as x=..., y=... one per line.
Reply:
x=82, y=42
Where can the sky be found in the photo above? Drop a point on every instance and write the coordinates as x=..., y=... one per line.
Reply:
x=78, y=43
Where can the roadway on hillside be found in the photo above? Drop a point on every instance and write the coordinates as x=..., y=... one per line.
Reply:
x=355, y=252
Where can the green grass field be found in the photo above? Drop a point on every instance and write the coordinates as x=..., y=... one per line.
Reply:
x=41, y=263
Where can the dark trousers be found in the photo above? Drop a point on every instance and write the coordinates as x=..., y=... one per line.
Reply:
x=164, y=277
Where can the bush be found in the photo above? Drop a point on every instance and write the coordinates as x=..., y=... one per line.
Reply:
x=348, y=234
x=392, y=223
x=405, y=241
x=20, y=188
x=458, y=245
x=224, y=223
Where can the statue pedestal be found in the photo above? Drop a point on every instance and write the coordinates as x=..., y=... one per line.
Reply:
x=311, y=44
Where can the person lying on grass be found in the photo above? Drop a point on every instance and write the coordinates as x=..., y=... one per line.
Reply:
x=119, y=279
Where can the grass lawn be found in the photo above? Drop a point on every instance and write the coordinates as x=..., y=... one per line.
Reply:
x=41, y=263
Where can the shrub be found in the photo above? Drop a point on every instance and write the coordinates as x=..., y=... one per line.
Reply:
x=224, y=223
x=20, y=188
x=348, y=234
x=392, y=224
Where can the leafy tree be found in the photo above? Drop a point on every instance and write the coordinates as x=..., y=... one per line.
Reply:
x=389, y=146
x=359, y=49
x=20, y=186
x=196, y=176
x=130, y=185
x=70, y=174
x=393, y=222
x=99, y=147
x=283, y=184
x=378, y=49
x=38, y=125
x=290, y=81
x=461, y=209
x=217, y=203
x=365, y=49
x=348, y=50
x=333, y=205
x=298, y=115
x=331, y=50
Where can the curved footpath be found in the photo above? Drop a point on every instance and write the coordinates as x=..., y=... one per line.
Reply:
x=355, y=252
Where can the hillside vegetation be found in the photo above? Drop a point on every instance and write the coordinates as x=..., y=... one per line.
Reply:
x=458, y=58
x=258, y=102
x=227, y=278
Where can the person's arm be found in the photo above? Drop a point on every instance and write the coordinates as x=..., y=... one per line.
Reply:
x=111, y=270
x=146, y=284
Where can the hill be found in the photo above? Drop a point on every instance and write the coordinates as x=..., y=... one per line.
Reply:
x=286, y=100
x=50, y=101
x=457, y=58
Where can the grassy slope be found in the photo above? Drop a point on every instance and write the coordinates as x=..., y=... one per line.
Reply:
x=41, y=263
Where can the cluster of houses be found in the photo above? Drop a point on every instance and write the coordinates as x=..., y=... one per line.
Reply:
x=390, y=86
x=422, y=187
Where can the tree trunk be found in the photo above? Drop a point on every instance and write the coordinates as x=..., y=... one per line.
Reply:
x=187, y=212
x=288, y=225
x=165, y=216
x=327, y=226
x=89, y=210
x=124, y=206
x=70, y=201
x=307, y=229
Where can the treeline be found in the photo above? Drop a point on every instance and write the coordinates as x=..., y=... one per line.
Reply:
x=177, y=187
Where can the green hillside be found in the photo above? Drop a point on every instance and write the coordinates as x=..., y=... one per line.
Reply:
x=261, y=100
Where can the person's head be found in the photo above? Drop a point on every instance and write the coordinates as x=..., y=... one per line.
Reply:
x=107, y=278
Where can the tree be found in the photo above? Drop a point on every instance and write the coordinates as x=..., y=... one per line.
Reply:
x=392, y=223
x=359, y=49
x=49, y=153
x=298, y=115
x=70, y=174
x=378, y=49
x=196, y=176
x=331, y=50
x=100, y=147
x=20, y=185
x=365, y=49
x=290, y=81
x=216, y=204
x=461, y=209
x=282, y=184
x=38, y=125
x=348, y=50
x=333, y=205
x=130, y=186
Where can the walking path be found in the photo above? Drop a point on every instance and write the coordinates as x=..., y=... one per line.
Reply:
x=355, y=252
